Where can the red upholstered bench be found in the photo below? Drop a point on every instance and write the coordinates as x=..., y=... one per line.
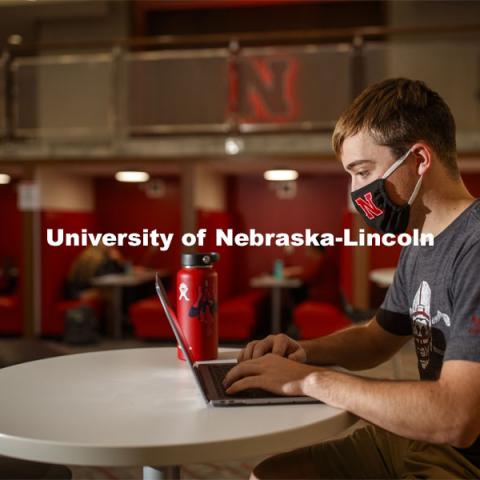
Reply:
x=149, y=320
x=10, y=315
x=237, y=317
x=316, y=319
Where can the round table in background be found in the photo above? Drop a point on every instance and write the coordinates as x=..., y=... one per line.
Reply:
x=276, y=285
x=383, y=277
x=113, y=284
x=141, y=407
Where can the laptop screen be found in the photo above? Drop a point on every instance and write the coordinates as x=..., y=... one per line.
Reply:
x=172, y=319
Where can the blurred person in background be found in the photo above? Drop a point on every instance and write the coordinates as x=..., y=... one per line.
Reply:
x=92, y=262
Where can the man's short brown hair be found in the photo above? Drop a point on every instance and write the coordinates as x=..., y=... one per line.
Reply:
x=397, y=113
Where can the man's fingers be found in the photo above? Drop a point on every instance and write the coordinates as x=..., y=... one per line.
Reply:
x=280, y=345
x=296, y=355
x=243, y=369
x=247, y=352
x=263, y=347
x=241, y=355
x=244, y=383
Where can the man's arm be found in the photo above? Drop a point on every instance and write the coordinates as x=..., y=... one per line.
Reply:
x=356, y=348
x=441, y=411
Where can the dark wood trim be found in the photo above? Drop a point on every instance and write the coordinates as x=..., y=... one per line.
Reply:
x=263, y=38
x=28, y=266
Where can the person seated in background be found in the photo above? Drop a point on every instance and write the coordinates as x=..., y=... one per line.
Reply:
x=319, y=276
x=92, y=262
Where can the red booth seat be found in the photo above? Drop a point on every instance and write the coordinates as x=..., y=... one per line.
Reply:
x=237, y=317
x=316, y=319
x=55, y=325
x=10, y=315
x=149, y=320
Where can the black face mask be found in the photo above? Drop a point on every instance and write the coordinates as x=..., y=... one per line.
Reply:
x=376, y=207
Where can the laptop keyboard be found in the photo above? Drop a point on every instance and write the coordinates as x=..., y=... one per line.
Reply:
x=218, y=372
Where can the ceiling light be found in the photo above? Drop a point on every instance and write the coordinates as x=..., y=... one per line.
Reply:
x=233, y=146
x=15, y=39
x=4, y=178
x=132, y=176
x=280, y=175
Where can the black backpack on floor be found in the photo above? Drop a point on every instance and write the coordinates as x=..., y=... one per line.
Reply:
x=81, y=326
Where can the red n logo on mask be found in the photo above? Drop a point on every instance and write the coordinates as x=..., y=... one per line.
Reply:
x=369, y=208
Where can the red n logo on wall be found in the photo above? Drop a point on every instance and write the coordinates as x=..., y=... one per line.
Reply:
x=265, y=90
x=369, y=208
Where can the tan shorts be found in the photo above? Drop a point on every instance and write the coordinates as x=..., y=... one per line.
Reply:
x=370, y=452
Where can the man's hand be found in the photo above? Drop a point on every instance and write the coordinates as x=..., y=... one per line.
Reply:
x=280, y=344
x=270, y=372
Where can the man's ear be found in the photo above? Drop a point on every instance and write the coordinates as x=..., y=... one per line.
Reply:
x=423, y=156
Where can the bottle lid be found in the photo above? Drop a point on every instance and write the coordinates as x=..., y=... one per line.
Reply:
x=199, y=259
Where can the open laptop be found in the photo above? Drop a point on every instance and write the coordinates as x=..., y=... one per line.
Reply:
x=209, y=375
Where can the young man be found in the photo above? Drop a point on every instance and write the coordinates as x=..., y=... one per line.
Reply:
x=397, y=141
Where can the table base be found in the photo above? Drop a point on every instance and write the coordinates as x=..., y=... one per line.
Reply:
x=171, y=472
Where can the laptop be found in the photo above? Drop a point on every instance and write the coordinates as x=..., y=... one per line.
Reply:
x=210, y=374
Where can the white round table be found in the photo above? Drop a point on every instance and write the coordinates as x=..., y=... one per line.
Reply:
x=141, y=407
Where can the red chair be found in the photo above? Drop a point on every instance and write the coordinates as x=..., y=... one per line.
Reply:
x=10, y=315
x=316, y=319
x=238, y=316
x=149, y=320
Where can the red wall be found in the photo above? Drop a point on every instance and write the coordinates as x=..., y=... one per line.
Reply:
x=125, y=207
x=11, y=235
x=472, y=182
x=10, y=223
x=318, y=205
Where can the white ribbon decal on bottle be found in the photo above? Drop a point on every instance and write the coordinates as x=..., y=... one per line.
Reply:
x=183, y=292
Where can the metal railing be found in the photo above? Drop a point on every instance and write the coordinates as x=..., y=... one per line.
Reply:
x=63, y=95
x=121, y=93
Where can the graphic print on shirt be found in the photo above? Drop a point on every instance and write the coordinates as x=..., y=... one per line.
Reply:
x=422, y=322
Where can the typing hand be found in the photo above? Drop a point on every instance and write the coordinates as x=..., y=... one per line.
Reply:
x=272, y=373
x=280, y=344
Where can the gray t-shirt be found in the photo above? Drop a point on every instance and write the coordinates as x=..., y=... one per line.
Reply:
x=435, y=296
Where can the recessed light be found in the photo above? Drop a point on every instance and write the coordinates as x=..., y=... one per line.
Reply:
x=280, y=175
x=4, y=178
x=15, y=39
x=132, y=176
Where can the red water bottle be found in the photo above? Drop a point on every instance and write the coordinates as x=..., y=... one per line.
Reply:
x=197, y=304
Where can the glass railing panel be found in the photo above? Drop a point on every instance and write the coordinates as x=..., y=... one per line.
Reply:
x=175, y=91
x=62, y=96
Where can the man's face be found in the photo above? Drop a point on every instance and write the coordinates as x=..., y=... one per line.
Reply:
x=366, y=161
